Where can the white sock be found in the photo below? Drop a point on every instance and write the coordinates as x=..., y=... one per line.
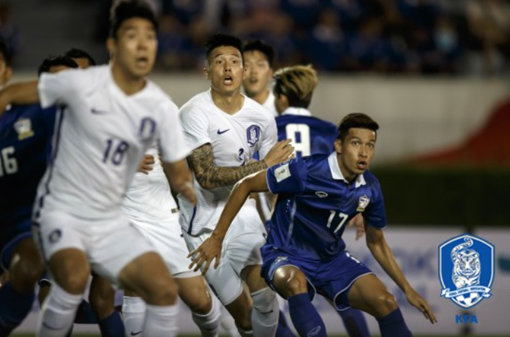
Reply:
x=57, y=313
x=133, y=314
x=161, y=321
x=228, y=323
x=209, y=323
x=264, y=315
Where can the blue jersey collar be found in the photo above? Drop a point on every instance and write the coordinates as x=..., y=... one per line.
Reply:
x=336, y=173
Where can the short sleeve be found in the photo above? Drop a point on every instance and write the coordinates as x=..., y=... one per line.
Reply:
x=172, y=142
x=195, y=125
x=269, y=138
x=375, y=213
x=289, y=177
x=57, y=88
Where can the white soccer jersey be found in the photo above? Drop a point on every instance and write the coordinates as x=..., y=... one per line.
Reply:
x=269, y=104
x=100, y=138
x=149, y=199
x=234, y=139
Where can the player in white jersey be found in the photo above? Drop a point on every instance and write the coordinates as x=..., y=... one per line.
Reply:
x=112, y=115
x=225, y=128
x=258, y=61
x=151, y=208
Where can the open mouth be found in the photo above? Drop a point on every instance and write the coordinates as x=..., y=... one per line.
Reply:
x=253, y=80
x=142, y=61
x=228, y=80
x=362, y=165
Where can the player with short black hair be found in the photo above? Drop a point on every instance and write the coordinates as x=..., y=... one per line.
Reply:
x=305, y=253
x=113, y=114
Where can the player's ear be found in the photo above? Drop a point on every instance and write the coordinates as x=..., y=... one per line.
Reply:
x=205, y=71
x=110, y=46
x=8, y=73
x=338, y=146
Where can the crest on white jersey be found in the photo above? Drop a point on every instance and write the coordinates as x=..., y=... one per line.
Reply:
x=147, y=129
x=253, y=134
x=23, y=127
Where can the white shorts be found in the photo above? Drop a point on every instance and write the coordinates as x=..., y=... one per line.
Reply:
x=166, y=237
x=241, y=248
x=109, y=244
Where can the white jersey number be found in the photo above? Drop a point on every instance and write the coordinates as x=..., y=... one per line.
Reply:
x=299, y=132
x=116, y=156
x=343, y=217
x=8, y=163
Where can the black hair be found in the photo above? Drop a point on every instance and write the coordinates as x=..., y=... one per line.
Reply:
x=76, y=53
x=123, y=10
x=261, y=46
x=53, y=61
x=4, y=50
x=219, y=40
x=356, y=120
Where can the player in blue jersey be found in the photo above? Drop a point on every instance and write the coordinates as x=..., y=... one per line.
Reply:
x=293, y=90
x=305, y=252
x=25, y=134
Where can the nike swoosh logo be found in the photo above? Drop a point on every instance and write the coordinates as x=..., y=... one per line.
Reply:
x=136, y=333
x=98, y=112
x=222, y=131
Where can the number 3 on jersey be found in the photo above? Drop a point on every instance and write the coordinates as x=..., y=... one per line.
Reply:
x=115, y=155
x=299, y=134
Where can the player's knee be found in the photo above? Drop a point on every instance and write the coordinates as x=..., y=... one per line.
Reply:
x=200, y=304
x=386, y=303
x=295, y=286
x=163, y=294
x=25, y=274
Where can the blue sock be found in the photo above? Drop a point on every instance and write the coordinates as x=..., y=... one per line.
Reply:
x=283, y=329
x=305, y=317
x=393, y=325
x=85, y=314
x=14, y=307
x=112, y=326
x=355, y=323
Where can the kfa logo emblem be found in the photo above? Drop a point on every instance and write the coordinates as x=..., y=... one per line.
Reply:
x=466, y=270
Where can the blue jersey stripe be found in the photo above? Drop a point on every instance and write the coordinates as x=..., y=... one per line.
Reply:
x=58, y=129
x=191, y=221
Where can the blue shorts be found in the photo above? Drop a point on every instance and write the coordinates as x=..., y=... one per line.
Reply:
x=332, y=279
x=9, y=239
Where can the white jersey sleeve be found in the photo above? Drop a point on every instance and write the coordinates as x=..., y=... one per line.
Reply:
x=195, y=124
x=55, y=88
x=173, y=145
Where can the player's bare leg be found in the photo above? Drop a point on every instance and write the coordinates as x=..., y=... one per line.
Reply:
x=101, y=297
x=291, y=283
x=265, y=310
x=204, y=307
x=148, y=276
x=369, y=294
x=17, y=293
x=240, y=309
x=70, y=270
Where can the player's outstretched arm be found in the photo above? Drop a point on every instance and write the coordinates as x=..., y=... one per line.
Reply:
x=210, y=249
x=19, y=93
x=384, y=256
x=180, y=179
x=210, y=176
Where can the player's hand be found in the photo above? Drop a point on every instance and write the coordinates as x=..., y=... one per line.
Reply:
x=421, y=304
x=279, y=153
x=209, y=250
x=147, y=164
x=358, y=222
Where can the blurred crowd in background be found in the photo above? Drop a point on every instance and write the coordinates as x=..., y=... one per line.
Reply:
x=465, y=37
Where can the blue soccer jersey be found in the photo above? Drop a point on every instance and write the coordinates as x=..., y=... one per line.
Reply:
x=309, y=135
x=25, y=143
x=315, y=203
